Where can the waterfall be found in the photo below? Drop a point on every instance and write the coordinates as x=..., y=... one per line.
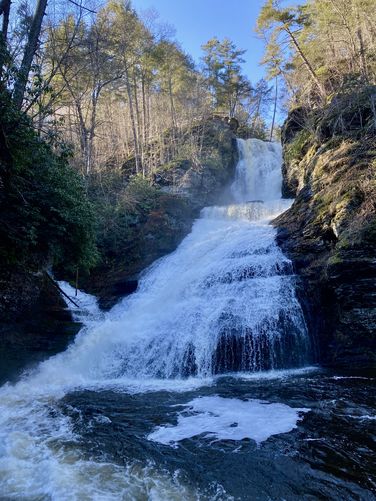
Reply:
x=224, y=301
x=258, y=173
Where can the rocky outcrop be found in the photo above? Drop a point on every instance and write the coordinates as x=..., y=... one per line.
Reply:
x=34, y=321
x=200, y=174
x=330, y=234
x=137, y=237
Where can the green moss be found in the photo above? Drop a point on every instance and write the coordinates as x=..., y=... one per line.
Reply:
x=333, y=143
x=295, y=150
x=369, y=232
x=322, y=203
x=344, y=244
x=335, y=259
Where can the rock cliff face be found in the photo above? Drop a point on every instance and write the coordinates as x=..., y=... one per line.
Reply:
x=330, y=233
x=34, y=322
x=201, y=178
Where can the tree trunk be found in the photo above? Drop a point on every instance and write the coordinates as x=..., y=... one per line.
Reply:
x=144, y=111
x=362, y=49
x=138, y=124
x=29, y=52
x=172, y=106
x=257, y=113
x=82, y=132
x=308, y=65
x=275, y=107
x=4, y=11
x=363, y=62
x=133, y=121
x=91, y=131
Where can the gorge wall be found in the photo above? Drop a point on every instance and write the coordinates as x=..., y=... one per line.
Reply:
x=330, y=230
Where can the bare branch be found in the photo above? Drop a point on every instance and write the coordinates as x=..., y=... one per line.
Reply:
x=82, y=7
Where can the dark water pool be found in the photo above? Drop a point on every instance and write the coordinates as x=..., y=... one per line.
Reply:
x=330, y=454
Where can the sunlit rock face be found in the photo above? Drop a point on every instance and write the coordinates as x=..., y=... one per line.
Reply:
x=201, y=172
x=330, y=235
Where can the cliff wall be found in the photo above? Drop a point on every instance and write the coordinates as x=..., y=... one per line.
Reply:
x=330, y=230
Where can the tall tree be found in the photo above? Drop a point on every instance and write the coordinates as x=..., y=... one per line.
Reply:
x=84, y=71
x=127, y=33
x=279, y=21
x=320, y=47
x=173, y=71
x=29, y=53
x=4, y=12
x=222, y=66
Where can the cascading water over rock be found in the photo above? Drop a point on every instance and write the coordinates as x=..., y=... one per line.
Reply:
x=114, y=417
x=223, y=302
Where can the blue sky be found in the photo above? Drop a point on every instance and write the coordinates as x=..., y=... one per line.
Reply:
x=196, y=21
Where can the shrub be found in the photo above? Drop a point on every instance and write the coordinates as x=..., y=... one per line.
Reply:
x=45, y=216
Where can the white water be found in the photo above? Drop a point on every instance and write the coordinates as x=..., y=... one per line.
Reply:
x=87, y=310
x=224, y=301
x=229, y=419
x=258, y=174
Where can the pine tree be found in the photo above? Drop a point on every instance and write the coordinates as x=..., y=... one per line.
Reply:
x=222, y=67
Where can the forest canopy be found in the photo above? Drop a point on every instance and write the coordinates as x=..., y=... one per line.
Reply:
x=319, y=48
x=111, y=82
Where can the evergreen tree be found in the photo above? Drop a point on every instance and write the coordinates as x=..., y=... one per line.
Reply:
x=222, y=67
x=320, y=47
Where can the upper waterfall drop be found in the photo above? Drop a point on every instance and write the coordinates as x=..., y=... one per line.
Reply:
x=256, y=189
x=258, y=173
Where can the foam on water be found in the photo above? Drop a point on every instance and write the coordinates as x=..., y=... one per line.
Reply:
x=229, y=419
x=278, y=374
x=254, y=211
